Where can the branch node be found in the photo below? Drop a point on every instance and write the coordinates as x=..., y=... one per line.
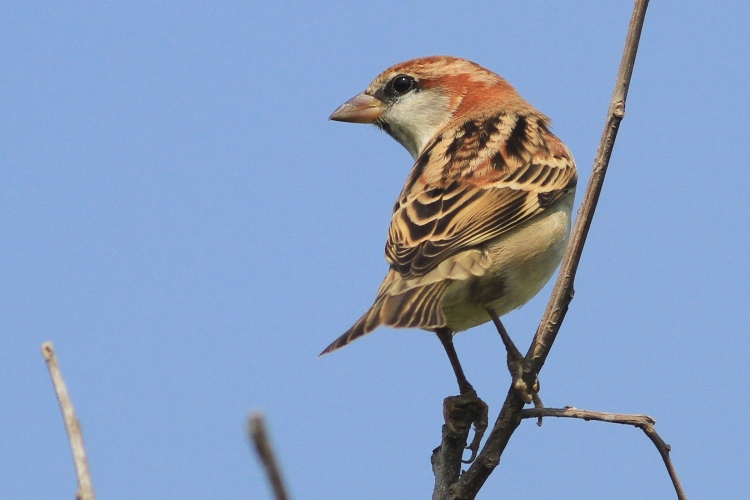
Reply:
x=618, y=110
x=491, y=460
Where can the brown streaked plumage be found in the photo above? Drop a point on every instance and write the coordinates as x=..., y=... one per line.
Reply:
x=484, y=217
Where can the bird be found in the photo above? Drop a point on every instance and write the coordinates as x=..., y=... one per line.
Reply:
x=485, y=214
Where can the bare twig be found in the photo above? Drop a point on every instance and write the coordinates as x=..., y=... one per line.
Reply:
x=72, y=425
x=510, y=415
x=643, y=422
x=572, y=412
x=256, y=429
x=664, y=450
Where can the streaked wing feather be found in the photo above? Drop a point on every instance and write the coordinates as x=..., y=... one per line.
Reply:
x=450, y=206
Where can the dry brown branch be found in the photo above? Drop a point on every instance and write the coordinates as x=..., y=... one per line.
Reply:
x=643, y=422
x=256, y=430
x=509, y=418
x=72, y=425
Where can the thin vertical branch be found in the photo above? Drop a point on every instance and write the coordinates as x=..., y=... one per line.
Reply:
x=510, y=415
x=72, y=425
x=562, y=294
x=256, y=429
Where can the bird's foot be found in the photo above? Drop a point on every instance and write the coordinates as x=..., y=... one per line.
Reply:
x=525, y=380
x=461, y=412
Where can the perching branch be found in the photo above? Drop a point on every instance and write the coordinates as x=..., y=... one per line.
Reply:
x=643, y=422
x=509, y=418
x=72, y=425
x=256, y=430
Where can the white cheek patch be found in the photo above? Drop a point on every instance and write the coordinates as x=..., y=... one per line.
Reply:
x=416, y=118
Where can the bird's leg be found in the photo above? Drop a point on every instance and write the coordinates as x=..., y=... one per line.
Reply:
x=446, y=338
x=460, y=412
x=525, y=380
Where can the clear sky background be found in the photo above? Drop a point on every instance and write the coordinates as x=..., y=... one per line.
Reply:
x=180, y=218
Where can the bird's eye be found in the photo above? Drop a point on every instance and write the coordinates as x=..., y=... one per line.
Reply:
x=403, y=84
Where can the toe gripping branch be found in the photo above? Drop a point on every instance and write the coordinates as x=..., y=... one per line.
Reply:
x=460, y=413
x=525, y=380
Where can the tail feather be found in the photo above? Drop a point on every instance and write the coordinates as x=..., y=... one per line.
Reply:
x=415, y=308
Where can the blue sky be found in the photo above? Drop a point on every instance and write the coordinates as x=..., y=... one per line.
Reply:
x=181, y=220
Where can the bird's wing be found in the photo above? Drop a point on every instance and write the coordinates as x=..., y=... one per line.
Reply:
x=468, y=187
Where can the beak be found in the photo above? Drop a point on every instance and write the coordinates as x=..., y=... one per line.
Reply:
x=361, y=108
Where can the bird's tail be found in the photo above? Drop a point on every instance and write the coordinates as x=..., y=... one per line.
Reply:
x=415, y=308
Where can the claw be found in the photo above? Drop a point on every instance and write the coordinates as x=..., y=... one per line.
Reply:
x=461, y=412
x=474, y=446
x=525, y=381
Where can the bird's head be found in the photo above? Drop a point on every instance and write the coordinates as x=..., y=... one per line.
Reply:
x=415, y=100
